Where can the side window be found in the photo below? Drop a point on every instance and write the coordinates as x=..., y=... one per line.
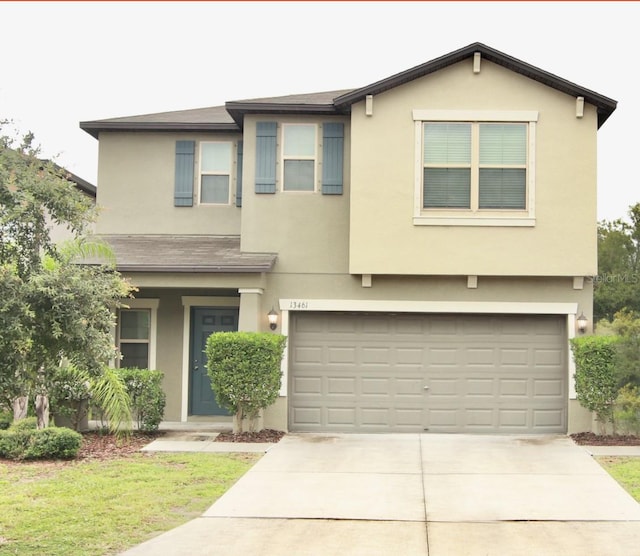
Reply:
x=134, y=335
x=299, y=157
x=215, y=173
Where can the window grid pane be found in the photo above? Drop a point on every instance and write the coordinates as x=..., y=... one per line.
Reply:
x=447, y=188
x=503, y=144
x=299, y=141
x=215, y=158
x=447, y=143
x=135, y=324
x=214, y=189
x=134, y=355
x=502, y=188
x=298, y=175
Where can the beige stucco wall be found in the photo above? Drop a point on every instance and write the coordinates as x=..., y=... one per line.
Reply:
x=383, y=238
x=308, y=230
x=136, y=173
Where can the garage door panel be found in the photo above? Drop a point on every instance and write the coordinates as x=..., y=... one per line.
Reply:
x=341, y=354
x=368, y=373
x=442, y=356
x=341, y=386
x=514, y=387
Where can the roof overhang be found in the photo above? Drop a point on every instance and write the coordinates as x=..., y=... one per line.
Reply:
x=94, y=128
x=605, y=106
x=185, y=253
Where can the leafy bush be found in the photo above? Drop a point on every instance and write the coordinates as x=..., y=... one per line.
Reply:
x=596, y=384
x=69, y=392
x=244, y=368
x=54, y=443
x=627, y=409
x=6, y=418
x=148, y=399
x=23, y=441
x=26, y=424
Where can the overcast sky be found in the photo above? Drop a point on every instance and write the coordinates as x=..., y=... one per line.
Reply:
x=65, y=62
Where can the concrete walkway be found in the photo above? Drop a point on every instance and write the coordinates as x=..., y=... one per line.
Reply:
x=435, y=495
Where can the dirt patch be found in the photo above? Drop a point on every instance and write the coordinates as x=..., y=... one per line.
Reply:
x=592, y=439
x=265, y=435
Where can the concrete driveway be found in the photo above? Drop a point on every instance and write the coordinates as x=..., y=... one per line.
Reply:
x=405, y=494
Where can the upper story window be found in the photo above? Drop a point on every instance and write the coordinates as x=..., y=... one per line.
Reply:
x=299, y=157
x=475, y=168
x=215, y=172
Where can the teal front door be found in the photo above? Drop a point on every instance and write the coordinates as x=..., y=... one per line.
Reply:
x=204, y=322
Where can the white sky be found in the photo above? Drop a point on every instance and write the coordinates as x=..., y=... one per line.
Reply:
x=65, y=62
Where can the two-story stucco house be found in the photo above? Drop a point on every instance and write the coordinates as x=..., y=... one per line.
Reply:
x=426, y=242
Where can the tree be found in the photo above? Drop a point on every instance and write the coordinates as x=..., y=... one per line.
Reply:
x=52, y=308
x=34, y=194
x=617, y=285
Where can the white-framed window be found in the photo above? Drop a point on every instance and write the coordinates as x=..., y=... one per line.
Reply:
x=299, y=157
x=215, y=172
x=475, y=168
x=136, y=334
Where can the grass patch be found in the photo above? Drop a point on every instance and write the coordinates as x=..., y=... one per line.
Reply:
x=625, y=470
x=104, y=507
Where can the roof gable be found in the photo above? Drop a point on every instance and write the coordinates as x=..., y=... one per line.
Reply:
x=229, y=118
x=604, y=105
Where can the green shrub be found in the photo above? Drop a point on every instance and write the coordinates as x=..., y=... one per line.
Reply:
x=627, y=409
x=148, y=399
x=26, y=424
x=6, y=418
x=244, y=368
x=54, y=443
x=69, y=392
x=23, y=441
x=596, y=383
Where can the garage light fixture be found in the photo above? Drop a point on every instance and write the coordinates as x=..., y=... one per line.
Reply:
x=582, y=322
x=273, y=319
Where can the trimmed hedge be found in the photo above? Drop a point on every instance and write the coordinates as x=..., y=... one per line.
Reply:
x=596, y=384
x=22, y=441
x=244, y=368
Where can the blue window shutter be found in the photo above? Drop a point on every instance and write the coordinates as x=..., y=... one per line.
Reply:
x=183, y=192
x=239, y=176
x=266, y=157
x=332, y=158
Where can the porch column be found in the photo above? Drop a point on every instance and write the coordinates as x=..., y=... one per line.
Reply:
x=250, y=317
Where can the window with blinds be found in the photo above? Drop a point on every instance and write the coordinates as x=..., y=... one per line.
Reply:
x=471, y=165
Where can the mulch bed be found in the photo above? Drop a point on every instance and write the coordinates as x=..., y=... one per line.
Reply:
x=100, y=446
x=592, y=439
x=265, y=435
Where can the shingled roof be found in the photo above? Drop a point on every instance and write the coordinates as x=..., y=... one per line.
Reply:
x=230, y=117
x=183, y=253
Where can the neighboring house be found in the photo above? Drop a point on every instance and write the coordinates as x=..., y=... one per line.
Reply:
x=59, y=232
x=427, y=243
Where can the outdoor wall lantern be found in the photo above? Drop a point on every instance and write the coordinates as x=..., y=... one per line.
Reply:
x=273, y=319
x=582, y=323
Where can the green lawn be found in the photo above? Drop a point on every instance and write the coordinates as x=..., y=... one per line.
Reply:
x=625, y=470
x=102, y=508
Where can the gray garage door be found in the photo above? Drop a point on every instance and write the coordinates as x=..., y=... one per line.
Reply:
x=440, y=373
